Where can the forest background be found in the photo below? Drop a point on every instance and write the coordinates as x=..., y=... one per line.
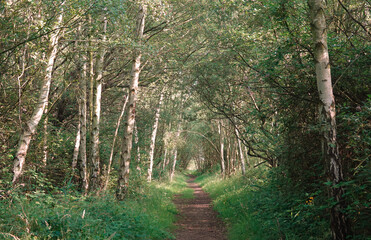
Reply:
x=226, y=86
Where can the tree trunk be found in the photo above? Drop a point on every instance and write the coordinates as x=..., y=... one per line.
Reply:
x=228, y=157
x=91, y=81
x=136, y=140
x=153, y=138
x=46, y=134
x=123, y=179
x=339, y=225
x=221, y=139
x=172, y=173
x=76, y=149
x=113, y=143
x=95, y=156
x=31, y=125
x=164, y=161
x=243, y=167
x=172, y=170
x=83, y=125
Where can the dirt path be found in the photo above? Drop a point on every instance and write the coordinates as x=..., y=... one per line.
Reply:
x=197, y=220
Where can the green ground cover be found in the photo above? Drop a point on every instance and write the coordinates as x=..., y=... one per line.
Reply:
x=147, y=214
x=254, y=208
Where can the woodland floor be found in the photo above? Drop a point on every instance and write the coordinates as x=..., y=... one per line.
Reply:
x=197, y=220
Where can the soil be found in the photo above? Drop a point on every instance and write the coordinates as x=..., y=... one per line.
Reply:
x=197, y=220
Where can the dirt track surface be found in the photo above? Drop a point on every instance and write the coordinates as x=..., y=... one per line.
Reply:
x=197, y=220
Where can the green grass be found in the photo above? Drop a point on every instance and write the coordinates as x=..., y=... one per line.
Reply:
x=254, y=208
x=149, y=214
x=178, y=186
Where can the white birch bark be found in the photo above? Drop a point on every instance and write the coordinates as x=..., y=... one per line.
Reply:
x=113, y=142
x=83, y=127
x=153, y=138
x=76, y=148
x=243, y=166
x=95, y=155
x=165, y=160
x=91, y=81
x=31, y=125
x=136, y=140
x=123, y=179
x=221, y=139
x=46, y=134
x=339, y=225
x=172, y=173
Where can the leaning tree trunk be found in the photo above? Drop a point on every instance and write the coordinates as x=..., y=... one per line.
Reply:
x=113, y=143
x=339, y=225
x=153, y=138
x=95, y=156
x=31, y=125
x=123, y=179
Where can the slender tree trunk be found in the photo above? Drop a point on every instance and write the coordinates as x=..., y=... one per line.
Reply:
x=31, y=125
x=153, y=138
x=164, y=161
x=76, y=149
x=114, y=141
x=136, y=140
x=95, y=155
x=91, y=81
x=243, y=167
x=46, y=134
x=172, y=173
x=228, y=160
x=249, y=164
x=83, y=125
x=221, y=139
x=123, y=179
x=339, y=224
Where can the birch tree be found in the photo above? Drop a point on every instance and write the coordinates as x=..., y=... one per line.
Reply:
x=95, y=158
x=123, y=179
x=153, y=138
x=31, y=125
x=221, y=139
x=175, y=154
x=114, y=142
x=83, y=126
x=243, y=166
x=339, y=226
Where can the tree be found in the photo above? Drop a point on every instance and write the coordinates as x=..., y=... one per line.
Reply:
x=123, y=180
x=113, y=143
x=153, y=138
x=95, y=155
x=327, y=114
x=33, y=122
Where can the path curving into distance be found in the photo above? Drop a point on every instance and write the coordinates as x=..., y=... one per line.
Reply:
x=197, y=220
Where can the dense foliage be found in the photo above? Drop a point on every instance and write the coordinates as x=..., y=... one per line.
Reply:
x=238, y=80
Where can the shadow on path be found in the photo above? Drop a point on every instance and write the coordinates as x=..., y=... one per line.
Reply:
x=196, y=219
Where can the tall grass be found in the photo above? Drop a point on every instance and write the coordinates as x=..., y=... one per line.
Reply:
x=254, y=208
x=37, y=215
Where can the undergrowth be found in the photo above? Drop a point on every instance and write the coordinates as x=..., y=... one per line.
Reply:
x=41, y=215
